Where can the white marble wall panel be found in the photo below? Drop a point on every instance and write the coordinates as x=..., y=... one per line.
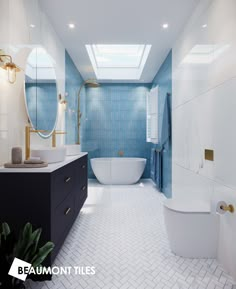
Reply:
x=204, y=115
x=4, y=15
x=189, y=185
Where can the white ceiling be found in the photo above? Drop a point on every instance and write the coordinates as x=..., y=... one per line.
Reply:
x=119, y=22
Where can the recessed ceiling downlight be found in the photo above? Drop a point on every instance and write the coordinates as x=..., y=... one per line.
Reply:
x=118, y=61
x=71, y=25
x=165, y=25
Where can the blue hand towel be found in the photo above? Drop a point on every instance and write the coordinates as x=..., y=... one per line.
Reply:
x=153, y=164
x=163, y=141
x=158, y=175
x=166, y=123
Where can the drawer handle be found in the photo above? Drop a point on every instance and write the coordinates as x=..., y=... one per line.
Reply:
x=83, y=166
x=67, y=179
x=67, y=211
x=83, y=188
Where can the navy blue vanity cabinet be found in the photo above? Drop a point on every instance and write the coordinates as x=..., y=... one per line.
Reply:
x=82, y=184
x=50, y=200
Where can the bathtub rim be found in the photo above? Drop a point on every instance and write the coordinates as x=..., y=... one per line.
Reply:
x=106, y=159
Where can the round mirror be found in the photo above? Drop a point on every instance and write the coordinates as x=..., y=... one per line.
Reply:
x=41, y=91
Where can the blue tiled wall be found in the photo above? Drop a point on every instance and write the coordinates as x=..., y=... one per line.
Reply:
x=116, y=120
x=46, y=115
x=163, y=79
x=73, y=82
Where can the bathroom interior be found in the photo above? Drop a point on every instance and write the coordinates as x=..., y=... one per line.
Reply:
x=117, y=139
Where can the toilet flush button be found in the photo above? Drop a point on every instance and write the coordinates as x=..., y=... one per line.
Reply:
x=209, y=155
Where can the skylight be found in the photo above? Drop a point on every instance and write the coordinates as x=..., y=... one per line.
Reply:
x=118, y=61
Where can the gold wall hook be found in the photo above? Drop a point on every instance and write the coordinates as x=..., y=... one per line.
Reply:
x=229, y=208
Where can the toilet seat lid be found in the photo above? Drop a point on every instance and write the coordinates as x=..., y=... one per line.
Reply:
x=188, y=206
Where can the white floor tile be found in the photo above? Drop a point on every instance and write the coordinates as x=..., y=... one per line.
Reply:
x=121, y=232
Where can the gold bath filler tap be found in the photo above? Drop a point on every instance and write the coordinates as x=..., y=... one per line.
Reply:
x=121, y=153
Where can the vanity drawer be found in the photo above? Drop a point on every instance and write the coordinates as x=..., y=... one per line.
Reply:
x=81, y=193
x=63, y=184
x=62, y=218
x=81, y=171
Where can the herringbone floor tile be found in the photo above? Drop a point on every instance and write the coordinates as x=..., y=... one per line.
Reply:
x=121, y=232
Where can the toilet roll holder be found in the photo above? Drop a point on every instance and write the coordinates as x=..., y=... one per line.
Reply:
x=227, y=208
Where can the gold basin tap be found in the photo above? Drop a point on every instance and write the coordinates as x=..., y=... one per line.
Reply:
x=28, y=130
x=54, y=137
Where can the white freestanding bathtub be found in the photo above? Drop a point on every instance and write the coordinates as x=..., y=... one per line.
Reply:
x=118, y=171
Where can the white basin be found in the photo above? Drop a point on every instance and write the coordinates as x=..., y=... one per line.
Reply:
x=49, y=154
x=72, y=150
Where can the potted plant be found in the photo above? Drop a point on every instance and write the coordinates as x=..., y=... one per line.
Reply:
x=25, y=247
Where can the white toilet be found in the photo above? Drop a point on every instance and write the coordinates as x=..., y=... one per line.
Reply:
x=191, y=227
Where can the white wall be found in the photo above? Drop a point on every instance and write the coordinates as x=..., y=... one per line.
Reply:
x=17, y=39
x=204, y=114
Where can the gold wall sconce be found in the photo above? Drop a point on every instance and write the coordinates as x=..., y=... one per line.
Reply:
x=10, y=67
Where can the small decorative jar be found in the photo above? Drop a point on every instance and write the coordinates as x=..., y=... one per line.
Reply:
x=16, y=155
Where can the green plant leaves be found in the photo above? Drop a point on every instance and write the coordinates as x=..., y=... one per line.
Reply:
x=33, y=245
x=25, y=247
x=23, y=242
x=5, y=229
x=42, y=254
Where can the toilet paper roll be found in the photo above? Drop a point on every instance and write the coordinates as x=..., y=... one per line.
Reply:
x=219, y=206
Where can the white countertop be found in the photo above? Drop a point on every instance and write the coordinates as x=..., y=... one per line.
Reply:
x=49, y=169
